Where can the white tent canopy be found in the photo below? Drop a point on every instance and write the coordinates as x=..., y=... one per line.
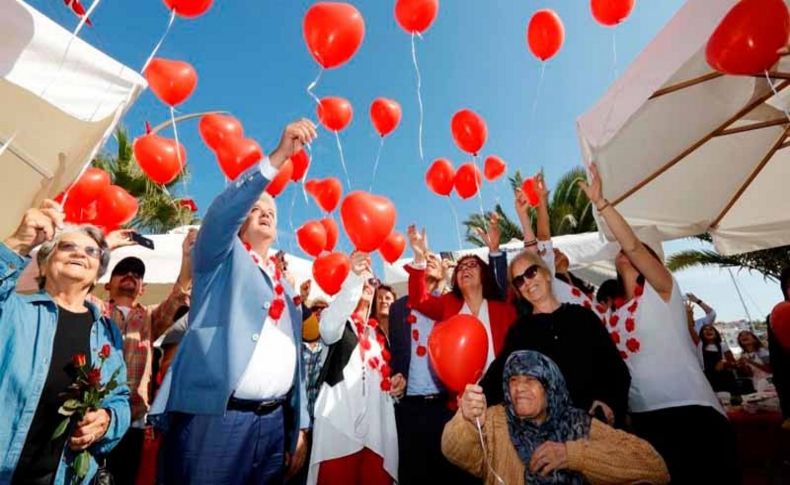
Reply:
x=687, y=150
x=60, y=101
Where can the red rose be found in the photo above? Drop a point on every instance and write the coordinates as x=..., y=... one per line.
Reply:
x=79, y=360
x=415, y=334
x=385, y=370
x=373, y=362
x=619, y=301
x=633, y=345
x=373, y=323
x=105, y=351
x=364, y=343
x=421, y=351
x=94, y=377
x=613, y=320
x=380, y=338
x=629, y=324
x=411, y=319
x=297, y=300
x=277, y=308
x=600, y=308
x=385, y=354
x=587, y=304
x=633, y=307
x=615, y=337
x=639, y=290
x=386, y=385
x=279, y=289
x=623, y=354
x=575, y=292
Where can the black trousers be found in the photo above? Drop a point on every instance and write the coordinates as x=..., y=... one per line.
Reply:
x=697, y=443
x=420, y=423
x=124, y=460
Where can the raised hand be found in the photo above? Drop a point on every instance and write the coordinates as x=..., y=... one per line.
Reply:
x=419, y=243
x=120, y=238
x=294, y=138
x=473, y=404
x=594, y=188
x=493, y=234
x=37, y=226
x=360, y=263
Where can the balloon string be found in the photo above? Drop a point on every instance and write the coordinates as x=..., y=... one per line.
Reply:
x=181, y=163
x=342, y=159
x=312, y=85
x=161, y=40
x=537, y=94
x=776, y=93
x=485, y=453
x=479, y=189
x=457, y=224
x=376, y=164
x=291, y=222
x=419, y=89
x=614, y=54
x=86, y=17
x=304, y=178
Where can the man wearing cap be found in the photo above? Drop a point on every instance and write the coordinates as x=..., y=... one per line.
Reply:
x=141, y=325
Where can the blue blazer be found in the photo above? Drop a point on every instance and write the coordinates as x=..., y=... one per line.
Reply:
x=230, y=301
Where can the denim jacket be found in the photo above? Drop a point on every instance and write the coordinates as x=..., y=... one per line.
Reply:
x=27, y=333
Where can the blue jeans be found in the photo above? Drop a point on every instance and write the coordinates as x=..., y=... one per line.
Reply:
x=237, y=448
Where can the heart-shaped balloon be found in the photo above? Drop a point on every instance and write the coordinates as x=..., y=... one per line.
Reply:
x=780, y=323
x=189, y=8
x=330, y=271
x=468, y=180
x=88, y=187
x=326, y=192
x=171, y=81
x=746, y=41
x=301, y=162
x=494, y=168
x=115, y=207
x=392, y=247
x=385, y=115
x=335, y=113
x=416, y=16
x=216, y=129
x=530, y=190
x=162, y=159
x=440, y=177
x=368, y=219
x=458, y=349
x=469, y=131
x=280, y=181
x=237, y=155
x=333, y=31
x=311, y=237
x=332, y=233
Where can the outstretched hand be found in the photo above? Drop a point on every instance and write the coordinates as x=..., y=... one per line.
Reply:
x=37, y=226
x=492, y=235
x=593, y=189
x=294, y=138
x=419, y=243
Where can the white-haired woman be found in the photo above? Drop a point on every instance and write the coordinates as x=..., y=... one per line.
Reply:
x=44, y=335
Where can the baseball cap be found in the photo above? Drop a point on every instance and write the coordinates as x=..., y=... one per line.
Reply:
x=129, y=264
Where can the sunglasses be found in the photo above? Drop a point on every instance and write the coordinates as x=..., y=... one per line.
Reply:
x=528, y=274
x=70, y=247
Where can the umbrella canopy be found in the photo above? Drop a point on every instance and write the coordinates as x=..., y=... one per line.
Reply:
x=60, y=98
x=687, y=150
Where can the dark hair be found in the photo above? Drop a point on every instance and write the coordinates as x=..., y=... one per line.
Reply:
x=608, y=289
x=579, y=283
x=490, y=287
x=374, y=305
x=784, y=281
x=716, y=341
x=640, y=280
x=759, y=342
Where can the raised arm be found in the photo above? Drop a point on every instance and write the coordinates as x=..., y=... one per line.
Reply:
x=652, y=269
x=522, y=210
x=227, y=213
x=419, y=297
x=162, y=317
x=544, y=223
x=497, y=260
x=334, y=317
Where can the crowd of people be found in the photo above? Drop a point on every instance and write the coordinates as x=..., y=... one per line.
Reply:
x=237, y=377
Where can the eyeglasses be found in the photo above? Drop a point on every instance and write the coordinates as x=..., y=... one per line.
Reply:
x=468, y=264
x=70, y=247
x=528, y=274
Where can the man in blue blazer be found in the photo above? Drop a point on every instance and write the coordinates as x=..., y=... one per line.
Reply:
x=234, y=396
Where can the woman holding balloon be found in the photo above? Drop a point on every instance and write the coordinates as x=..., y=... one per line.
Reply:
x=355, y=440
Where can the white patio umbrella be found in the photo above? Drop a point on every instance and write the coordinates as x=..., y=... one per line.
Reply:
x=687, y=150
x=60, y=99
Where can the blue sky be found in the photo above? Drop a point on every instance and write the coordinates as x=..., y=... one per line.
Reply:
x=252, y=61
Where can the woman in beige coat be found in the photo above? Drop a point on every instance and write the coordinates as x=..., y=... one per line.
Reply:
x=536, y=436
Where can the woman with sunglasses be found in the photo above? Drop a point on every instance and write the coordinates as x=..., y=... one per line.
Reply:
x=669, y=393
x=571, y=335
x=46, y=336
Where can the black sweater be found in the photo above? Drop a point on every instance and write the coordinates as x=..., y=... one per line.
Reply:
x=574, y=338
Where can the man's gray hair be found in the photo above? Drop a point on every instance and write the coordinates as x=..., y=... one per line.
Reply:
x=48, y=247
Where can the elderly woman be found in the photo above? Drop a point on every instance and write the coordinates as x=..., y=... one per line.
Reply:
x=569, y=334
x=537, y=436
x=42, y=335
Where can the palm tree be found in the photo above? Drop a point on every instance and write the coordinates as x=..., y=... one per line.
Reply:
x=158, y=210
x=569, y=210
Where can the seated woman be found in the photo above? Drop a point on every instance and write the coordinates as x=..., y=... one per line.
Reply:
x=355, y=439
x=537, y=436
x=569, y=334
x=755, y=361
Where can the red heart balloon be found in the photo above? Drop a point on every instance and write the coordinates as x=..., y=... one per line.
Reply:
x=746, y=41
x=780, y=323
x=326, y=192
x=494, y=168
x=469, y=131
x=392, y=247
x=311, y=186
x=88, y=187
x=611, y=12
x=368, y=219
x=301, y=162
x=330, y=226
x=468, y=180
x=158, y=158
x=115, y=207
x=335, y=113
x=189, y=8
x=171, y=81
x=217, y=130
x=311, y=237
x=530, y=189
x=440, y=177
x=416, y=15
x=237, y=155
x=333, y=32
x=385, y=115
x=280, y=181
x=458, y=349
x=330, y=271
x=545, y=34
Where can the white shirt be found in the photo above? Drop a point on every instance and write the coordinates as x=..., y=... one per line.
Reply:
x=270, y=372
x=484, y=319
x=564, y=292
